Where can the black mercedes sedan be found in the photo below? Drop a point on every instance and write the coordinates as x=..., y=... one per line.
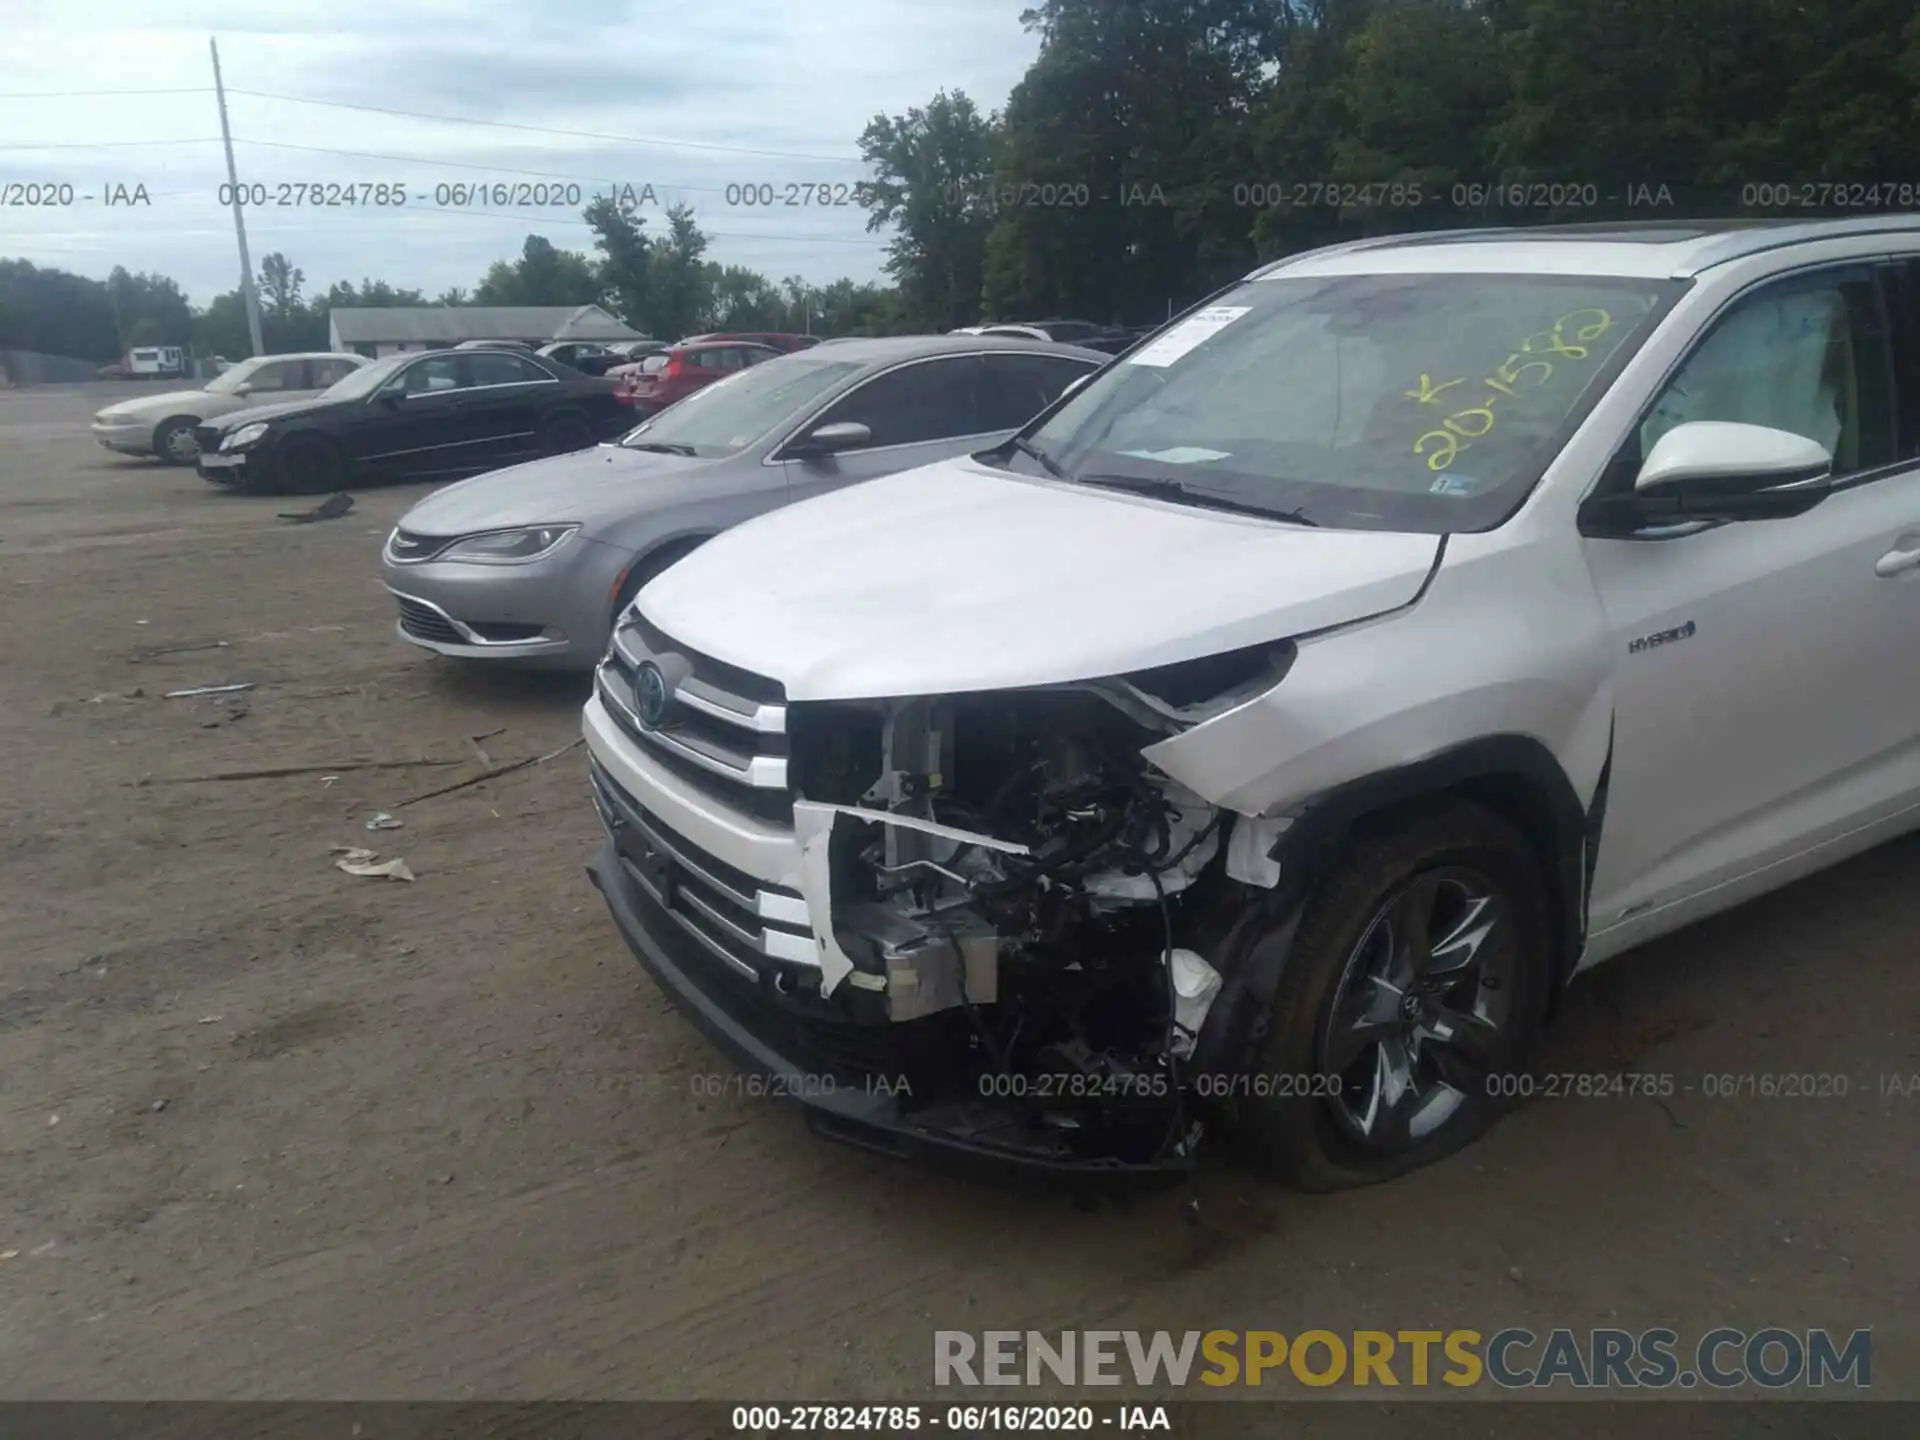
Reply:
x=418, y=415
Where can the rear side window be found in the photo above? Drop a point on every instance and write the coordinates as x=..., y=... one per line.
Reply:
x=330, y=372
x=488, y=369
x=1015, y=388
x=931, y=400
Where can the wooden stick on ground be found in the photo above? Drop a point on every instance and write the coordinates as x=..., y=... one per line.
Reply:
x=279, y=771
x=492, y=774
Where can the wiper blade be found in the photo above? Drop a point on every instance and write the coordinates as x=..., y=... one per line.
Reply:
x=1034, y=452
x=1184, y=494
x=659, y=447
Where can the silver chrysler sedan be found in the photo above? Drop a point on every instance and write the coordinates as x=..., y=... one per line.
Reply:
x=531, y=564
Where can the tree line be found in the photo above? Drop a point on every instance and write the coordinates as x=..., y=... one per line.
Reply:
x=662, y=285
x=1155, y=149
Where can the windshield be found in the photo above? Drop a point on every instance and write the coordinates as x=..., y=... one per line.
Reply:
x=731, y=414
x=1428, y=403
x=367, y=379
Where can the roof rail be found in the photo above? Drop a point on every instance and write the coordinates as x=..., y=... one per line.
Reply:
x=1738, y=244
x=1382, y=242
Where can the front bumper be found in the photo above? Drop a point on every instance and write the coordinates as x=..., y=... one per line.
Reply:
x=133, y=438
x=555, y=611
x=855, y=1101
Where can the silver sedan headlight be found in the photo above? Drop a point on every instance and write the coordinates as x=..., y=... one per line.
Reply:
x=244, y=436
x=508, y=547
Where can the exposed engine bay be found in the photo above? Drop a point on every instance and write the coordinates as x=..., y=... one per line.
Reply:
x=1007, y=879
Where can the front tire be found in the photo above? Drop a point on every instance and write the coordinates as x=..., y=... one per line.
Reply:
x=173, y=442
x=1416, y=985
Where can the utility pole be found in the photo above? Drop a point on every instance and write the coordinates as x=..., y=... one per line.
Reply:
x=239, y=220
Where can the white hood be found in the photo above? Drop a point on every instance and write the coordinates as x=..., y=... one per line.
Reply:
x=958, y=577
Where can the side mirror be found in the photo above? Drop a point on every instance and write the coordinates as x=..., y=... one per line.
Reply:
x=389, y=399
x=1717, y=457
x=245, y=387
x=831, y=440
x=1713, y=471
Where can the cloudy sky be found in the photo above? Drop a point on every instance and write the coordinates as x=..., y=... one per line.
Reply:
x=688, y=98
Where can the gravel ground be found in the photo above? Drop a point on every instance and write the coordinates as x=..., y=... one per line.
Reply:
x=271, y=1131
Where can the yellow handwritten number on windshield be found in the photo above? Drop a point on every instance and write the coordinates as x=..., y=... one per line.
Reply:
x=1440, y=447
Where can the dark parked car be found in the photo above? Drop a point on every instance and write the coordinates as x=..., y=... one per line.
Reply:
x=675, y=373
x=586, y=356
x=435, y=414
x=779, y=340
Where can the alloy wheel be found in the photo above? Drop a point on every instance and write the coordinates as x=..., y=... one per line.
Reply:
x=1417, y=1022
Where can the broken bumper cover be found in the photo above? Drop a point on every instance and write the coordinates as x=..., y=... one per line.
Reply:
x=853, y=1109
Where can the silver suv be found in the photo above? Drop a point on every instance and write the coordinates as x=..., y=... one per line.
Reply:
x=1266, y=735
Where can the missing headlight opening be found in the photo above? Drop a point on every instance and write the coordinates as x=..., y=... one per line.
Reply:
x=1006, y=877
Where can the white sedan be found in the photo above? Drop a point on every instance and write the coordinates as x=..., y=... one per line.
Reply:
x=163, y=424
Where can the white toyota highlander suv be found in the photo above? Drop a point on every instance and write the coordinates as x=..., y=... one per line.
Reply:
x=1264, y=737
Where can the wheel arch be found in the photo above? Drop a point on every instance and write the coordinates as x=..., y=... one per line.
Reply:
x=1515, y=776
x=663, y=551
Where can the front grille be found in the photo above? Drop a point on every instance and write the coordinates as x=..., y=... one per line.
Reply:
x=406, y=545
x=207, y=437
x=753, y=929
x=723, y=730
x=423, y=622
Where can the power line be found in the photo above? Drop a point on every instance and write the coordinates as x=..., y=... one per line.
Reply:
x=77, y=94
x=111, y=144
x=554, y=129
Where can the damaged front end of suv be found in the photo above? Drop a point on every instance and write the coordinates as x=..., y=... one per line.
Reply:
x=1018, y=919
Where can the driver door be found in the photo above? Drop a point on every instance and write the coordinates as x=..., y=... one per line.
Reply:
x=1766, y=702
x=418, y=423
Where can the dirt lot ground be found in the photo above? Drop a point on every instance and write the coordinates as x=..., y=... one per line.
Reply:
x=267, y=1130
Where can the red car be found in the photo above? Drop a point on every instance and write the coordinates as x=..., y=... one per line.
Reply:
x=776, y=339
x=675, y=373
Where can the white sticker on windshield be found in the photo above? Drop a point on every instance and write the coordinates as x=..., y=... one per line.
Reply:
x=1192, y=331
x=1179, y=455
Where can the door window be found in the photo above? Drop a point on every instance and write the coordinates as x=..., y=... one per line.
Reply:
x=931, y=400
x=429, y=376
x=279, y=375
x=1809, y=355
x=331, y=372
x=1015, y=388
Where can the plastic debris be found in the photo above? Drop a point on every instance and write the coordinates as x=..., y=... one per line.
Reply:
x=384, y=821
x=331, y=508
x=356, y=860
x=209, y=690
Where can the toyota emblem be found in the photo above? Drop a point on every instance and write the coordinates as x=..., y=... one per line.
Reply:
x=651, y=693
